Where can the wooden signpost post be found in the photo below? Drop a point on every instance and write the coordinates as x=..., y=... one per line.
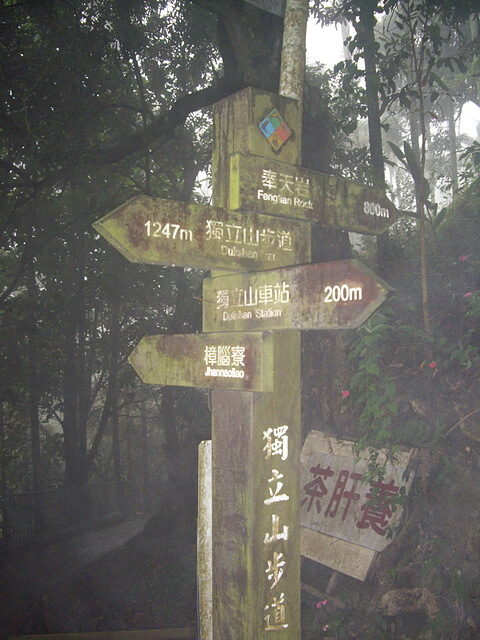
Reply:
x=249, y=574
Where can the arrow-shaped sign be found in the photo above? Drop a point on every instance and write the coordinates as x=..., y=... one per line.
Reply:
x=278, y=188
x=154, y=231
x=327, y=295
x=238, y=361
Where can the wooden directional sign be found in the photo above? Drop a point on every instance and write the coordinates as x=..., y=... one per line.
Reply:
x=328, y=295
x=155, y=231
x=269, y=186
x=240, y=361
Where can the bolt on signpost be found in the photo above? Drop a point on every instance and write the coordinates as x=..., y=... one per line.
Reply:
x=249, y=356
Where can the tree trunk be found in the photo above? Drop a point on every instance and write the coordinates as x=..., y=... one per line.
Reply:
x=111, y=396
x=33, y=381
x=365, y=28
x=116, y=455
x=452, y=141
x=145, y=457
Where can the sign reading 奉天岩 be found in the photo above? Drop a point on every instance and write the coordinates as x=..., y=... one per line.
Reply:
x=154, y=231
x=240, y=361
x=326, y=295
x=278, y=188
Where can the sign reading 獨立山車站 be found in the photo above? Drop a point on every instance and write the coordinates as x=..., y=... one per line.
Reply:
x=241, y=361
x=154, y=231
x=277, y=188
x=346, y=518
x=327, y=295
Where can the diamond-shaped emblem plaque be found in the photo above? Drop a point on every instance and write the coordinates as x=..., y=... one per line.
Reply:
x=275, y=129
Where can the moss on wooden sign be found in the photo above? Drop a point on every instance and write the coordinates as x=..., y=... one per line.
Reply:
x=255, y=467
x=327, y=295
x=241, y=361
x=268, y=186
x=236, y=129
x=154, y=231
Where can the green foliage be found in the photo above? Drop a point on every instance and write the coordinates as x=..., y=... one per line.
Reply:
x=372, y=388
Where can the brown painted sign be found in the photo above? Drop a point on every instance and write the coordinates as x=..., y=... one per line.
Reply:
x=269, y=186
x=328, y=295
x=154, y=231
x=239, y=361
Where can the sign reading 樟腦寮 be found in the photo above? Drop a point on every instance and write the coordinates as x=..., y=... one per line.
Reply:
x=241, y=361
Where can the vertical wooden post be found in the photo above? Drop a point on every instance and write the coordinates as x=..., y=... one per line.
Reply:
x=204, y=539
x=292, y=70
x=255, y=478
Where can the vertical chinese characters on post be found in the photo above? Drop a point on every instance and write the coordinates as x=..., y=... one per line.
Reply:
x=275, y=451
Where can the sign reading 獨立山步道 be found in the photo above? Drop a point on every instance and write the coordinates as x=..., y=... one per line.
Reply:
x=255, y=479
x=326, y=295
x=154, y=231
x=240, y=361
x=278, y=188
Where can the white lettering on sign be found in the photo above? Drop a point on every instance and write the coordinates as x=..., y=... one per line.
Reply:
x=254, y=296
x=274, y=569
x=258, y=297
x=285, y=189
x=374, y=209
x=277, y=442
x=224, y=356
x=278, y=617
x=276, y=534
x=276, y=562
x=168, y=230
x=275, y=492
x=223, y=373
x=235, y=234
x=342, y=293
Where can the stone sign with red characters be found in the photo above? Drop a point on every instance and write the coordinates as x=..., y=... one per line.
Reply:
x=339, y=501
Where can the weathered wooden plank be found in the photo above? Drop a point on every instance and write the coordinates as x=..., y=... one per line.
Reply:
x=256, y=542
x=236, y=129
x=338, y=502
x=339, y=555
x=204, y=540
x=155, y=231
x=268, y=186
x=328, y=295
x=241, y=361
